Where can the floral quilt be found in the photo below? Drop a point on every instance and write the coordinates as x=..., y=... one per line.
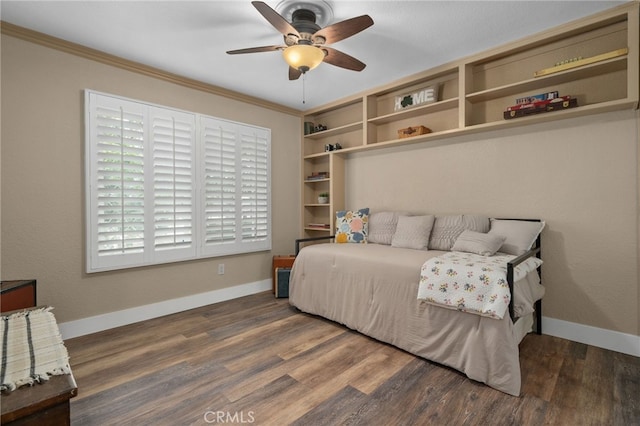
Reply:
x=470, y=282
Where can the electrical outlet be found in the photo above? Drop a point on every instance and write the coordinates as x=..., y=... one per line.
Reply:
x=220, y=268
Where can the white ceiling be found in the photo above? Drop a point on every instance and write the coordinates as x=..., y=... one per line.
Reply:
x=190, y=38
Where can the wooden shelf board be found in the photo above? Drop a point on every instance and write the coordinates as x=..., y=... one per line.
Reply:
x=533, y=84
x=318, y=155
x=406, y=141
x=335, y=131
x=420, y=78
x=615, y=105
x=307, y=228
x=416, y=111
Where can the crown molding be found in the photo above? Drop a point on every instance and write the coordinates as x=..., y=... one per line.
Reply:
x=46, y=40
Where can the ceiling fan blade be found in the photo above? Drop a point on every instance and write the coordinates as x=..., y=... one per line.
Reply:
x=343, y=29
x=256, y=49
x=294, y=74
x=275, y=18
x=342, y=60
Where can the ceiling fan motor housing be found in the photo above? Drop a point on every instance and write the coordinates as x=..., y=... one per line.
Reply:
x=304, y=21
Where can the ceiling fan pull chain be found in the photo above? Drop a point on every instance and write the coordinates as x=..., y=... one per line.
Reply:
x=304, y=78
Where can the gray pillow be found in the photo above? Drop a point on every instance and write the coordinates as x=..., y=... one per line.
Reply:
x=447, y=229
x=520, y=234
x=413, y=232
x=478, y=243
x=382, y=226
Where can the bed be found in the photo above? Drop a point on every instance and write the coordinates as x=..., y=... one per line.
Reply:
x=372, y=288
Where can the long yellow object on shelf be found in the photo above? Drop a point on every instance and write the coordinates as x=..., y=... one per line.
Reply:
x=581, y=62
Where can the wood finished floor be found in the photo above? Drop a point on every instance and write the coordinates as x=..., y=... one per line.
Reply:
x=256, y=360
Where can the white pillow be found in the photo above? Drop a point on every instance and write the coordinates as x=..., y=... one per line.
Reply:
x=520, y=234
x=413, y=232
x=478, y=243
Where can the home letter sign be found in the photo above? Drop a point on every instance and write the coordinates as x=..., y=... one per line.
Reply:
x=424, y=96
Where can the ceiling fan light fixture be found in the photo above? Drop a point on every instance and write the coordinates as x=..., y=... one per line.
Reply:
x=303, y=57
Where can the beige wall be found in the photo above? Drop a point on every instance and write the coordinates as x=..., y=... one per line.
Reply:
x=43, y=187
x=579, y=175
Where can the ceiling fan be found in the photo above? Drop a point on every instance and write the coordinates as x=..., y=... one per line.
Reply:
x=306, y=42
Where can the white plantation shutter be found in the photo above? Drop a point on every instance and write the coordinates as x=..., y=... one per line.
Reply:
x=219, y=182
x=254, y=183
x=173, y=141
x=117, y=200
x=166, y=185
x=236, y=187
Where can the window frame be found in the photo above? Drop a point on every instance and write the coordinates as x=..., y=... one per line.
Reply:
x=254, y=164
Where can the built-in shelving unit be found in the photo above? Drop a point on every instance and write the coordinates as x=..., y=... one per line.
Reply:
x=472, y=95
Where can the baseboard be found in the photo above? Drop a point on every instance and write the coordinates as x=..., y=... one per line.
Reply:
x=606, y=339
x=102, y=322
x=602, y=338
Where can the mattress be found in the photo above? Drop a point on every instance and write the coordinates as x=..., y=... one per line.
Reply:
x=372, y=288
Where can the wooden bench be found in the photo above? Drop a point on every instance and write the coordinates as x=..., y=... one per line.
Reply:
x=45, y=403
x=42, y=404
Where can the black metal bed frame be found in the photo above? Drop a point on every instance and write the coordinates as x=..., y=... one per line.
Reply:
x=536, y=250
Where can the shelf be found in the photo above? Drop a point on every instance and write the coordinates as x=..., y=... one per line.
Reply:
x=309, y=228
x=318, y=155
x=326, y=154
x=416, y=111
x=408, y=141
x=617, y=105
x=474, y=93
x=335, y=131
x=530, y=85
x=436, y=75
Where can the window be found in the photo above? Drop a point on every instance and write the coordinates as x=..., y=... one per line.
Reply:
x=165, y=185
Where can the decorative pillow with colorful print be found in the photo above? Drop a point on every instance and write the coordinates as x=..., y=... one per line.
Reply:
x=352, y=226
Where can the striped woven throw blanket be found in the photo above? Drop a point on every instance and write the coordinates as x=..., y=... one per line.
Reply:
x=32, y=348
